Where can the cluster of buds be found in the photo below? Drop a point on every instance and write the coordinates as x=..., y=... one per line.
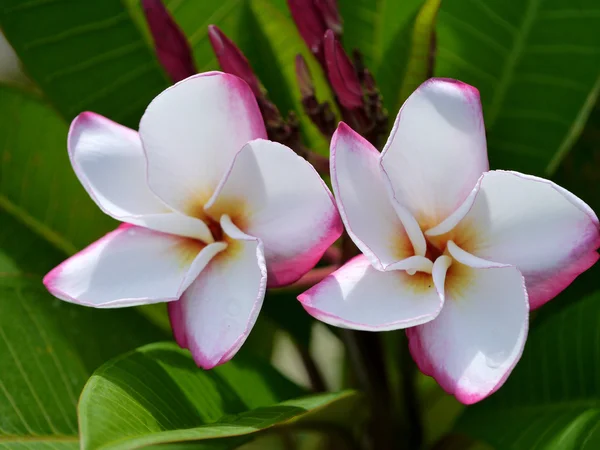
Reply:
x=320, y=26
x=357, y=96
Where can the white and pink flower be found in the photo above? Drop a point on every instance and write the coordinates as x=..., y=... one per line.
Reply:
x=455, y=253
x=213, y=214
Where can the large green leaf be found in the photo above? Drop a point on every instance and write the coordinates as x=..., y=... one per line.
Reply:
x=537, y=65
x=552, y=399
x=37, y=183
x=84, y=55
x=48, y=349
x=157, y=395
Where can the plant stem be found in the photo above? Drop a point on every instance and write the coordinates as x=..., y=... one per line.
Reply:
x=366, y=357
x=312, y=370
x=414, y=427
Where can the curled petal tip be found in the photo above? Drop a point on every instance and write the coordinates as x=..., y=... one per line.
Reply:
x=232, y=60
x=342, y=74
x=172, y=48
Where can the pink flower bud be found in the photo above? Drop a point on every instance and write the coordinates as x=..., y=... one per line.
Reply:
x=342, y=76
x=232, y=60
x=310, y=24
x=172, y=48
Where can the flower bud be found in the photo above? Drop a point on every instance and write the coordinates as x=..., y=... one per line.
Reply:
x=331, y=16
x=172, y=48
x=310, y=24
x=341, y=73
x=232, y=60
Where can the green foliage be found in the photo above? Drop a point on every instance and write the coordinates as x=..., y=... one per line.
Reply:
x=157, y=395
x=37, y=184
x=84, y=56
x=536, y=65
x=552, y=398
x=48, y=349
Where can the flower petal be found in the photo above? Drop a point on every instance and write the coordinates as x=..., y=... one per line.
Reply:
x=437, y=149
x=475, y=342
x=278, y=197
x=131, y=266
x=190, y=134
x=110, y=164
x=364, y=204
x=550, y=235
x=360, y=297
x=215, y=315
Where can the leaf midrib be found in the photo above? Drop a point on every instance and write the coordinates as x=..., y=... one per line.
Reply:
x=15, y=439
x=511, y=62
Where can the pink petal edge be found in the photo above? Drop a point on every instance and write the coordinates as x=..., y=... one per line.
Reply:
x=49, y=279
x=428, y=367
x=306, y=300
x=345, y=129
x=180, y=330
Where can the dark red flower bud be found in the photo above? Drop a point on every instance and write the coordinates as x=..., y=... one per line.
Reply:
x=331, y=16
x=172, y=48
x=232, y=60
x=341, y=72
x=310, y=24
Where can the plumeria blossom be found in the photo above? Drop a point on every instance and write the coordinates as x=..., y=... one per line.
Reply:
x=452, y=251
x=213, y=214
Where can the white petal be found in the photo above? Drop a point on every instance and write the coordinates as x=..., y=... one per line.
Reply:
x=437, y=149
x=470, y=260
x=190, y=134
x=550, y=235
x=360, y=297
x=475, y=342
x=131, y=266
x=215, y=315
x=109, y=161
x=364, y=204
x=278, y=197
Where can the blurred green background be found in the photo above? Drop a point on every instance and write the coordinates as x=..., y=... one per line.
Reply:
x=537, y=66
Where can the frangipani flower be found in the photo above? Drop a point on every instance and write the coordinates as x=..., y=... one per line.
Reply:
x=455, y=251
x=213, y=213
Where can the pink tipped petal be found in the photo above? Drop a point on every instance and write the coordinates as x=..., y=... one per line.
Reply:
x=131, y=266
x=215, y=315
x=364, y=205
x=284, y=203
x=109, y=161
x=192, y=131
x=550, y=235
x=437, y=149
x=360, y=297
x=475, y=342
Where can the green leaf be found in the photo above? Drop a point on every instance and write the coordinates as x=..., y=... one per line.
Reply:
x=383, y=31
x=37, y=184
x=157, y=395
x=84, y=56
x=420, y=62
x=536, y=65
x=552, y=399
x=48, y=349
